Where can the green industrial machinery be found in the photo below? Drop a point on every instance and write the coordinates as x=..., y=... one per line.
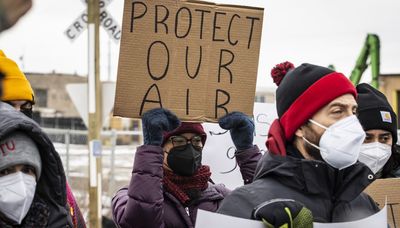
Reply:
x=370, y=49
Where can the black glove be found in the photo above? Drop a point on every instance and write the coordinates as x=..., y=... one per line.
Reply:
x=155, y=122
x=241, y=128
x=279, y=213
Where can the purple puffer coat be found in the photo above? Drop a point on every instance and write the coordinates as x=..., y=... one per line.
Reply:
x=144, y=203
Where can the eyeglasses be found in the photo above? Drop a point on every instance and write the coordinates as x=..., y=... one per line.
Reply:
x=183, y=141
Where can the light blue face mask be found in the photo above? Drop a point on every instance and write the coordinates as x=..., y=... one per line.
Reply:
x=340, y=143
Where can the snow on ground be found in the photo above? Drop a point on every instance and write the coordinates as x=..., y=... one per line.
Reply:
x=116, y=172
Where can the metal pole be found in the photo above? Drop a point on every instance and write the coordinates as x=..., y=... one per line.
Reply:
x=109, y=59
x=112, y=164
x=141, y=140
x=67, y=142
x=94, y=107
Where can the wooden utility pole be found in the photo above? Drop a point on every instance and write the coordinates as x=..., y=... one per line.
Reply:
x=94, y=107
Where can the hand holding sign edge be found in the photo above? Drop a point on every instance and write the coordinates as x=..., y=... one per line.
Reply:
x=241, y=128
x=155, y=122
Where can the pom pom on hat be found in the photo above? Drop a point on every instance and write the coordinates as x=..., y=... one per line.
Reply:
x=280, y=70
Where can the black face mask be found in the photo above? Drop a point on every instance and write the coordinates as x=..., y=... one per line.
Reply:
x=184, y=160
x=27, y=112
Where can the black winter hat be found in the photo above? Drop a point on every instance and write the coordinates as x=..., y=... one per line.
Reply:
x=304, y=90
x=374, y=110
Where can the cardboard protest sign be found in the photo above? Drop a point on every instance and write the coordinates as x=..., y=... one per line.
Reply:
x=219, y=150
x=198, y=59
x=389, y=189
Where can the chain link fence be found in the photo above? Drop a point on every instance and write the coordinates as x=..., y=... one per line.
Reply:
x=118, y=149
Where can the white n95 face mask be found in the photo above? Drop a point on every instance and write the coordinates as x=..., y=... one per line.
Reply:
x=375, y=155
x=16, y=194
x=340, y=143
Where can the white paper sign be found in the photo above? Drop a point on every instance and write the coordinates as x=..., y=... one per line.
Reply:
x=219, y=146
x=264, y=115
x=206, y=219
x=374, y=221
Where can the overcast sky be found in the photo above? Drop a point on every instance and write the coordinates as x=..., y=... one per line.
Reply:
x=317, y=31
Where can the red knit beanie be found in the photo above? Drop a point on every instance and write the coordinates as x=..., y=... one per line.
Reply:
x=186, y=127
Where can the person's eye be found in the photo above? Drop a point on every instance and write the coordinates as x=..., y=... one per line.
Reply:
x=29, y=170
x=196, y=141
x=5, y=172
x=367, y=139
x=337, y=112
x=179, y=141
x=384, y=139
x=26, y=106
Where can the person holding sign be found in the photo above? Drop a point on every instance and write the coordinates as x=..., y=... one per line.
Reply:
x=313, y=149
x=169, y=182
x=379, y=151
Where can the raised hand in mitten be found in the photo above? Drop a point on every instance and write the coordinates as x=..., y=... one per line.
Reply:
x=154, y=122
x=283, y=213
x=241, y=128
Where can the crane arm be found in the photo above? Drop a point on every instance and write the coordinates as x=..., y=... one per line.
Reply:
x=370, y=49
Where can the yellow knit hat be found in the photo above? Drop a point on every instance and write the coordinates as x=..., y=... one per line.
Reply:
x=15, y=84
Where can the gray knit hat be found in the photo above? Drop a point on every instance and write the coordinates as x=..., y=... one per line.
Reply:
x=16, y=149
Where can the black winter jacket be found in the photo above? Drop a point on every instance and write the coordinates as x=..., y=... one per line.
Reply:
x=331, y=195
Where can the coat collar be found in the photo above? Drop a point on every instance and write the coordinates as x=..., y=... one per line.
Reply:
x=315, y=177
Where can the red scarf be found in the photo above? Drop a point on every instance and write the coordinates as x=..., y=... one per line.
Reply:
x=276, y=142
x=178, y=185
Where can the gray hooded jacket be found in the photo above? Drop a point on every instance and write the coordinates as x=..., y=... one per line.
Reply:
x=50, y=192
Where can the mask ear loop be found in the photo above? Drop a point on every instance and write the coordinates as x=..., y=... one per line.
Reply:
x=231, y=157
x=318, y=124
x=312, y=144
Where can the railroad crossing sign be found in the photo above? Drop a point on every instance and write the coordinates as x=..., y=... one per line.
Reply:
x=106, y=20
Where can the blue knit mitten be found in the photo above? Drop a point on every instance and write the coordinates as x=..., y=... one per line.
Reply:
x=241, y=128
x=154, y=122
